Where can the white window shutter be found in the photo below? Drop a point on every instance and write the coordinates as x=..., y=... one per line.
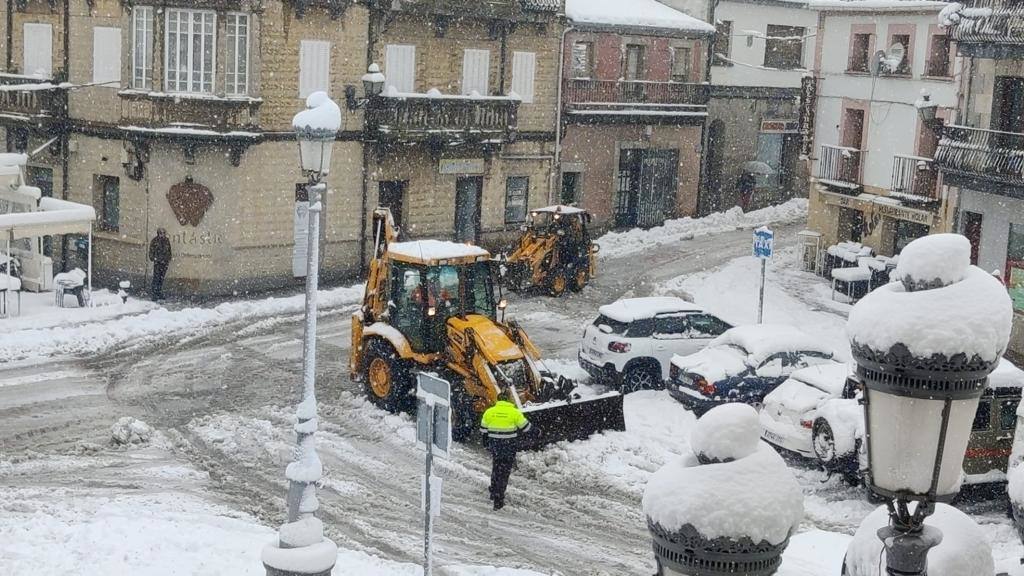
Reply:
x=314, y=67
x=475, y=71
x=524, y=67
x=38, y=50
x=106, y=56
x=400, y=67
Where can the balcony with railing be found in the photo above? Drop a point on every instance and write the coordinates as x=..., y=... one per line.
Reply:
x=442, y=119
x=914, y=179
x=30, y=100
x=986, y=25
x=157, y=110
x=839, y=167
x=976, y=157
x=635, y=98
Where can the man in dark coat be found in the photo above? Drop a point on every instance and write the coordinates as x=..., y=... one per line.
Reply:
x=745, y=185
x=160, y=256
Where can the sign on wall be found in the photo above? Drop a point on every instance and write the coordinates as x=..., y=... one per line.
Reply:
x=189, y=201
x=473, y=166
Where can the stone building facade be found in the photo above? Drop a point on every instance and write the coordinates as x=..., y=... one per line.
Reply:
x=176, y=114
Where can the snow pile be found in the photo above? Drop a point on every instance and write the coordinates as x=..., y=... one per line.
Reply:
x=764, y=340
x=435, y=250
x=964, y=550
x=644, y=13
x=727, y=432
x=617, y=244
x=140, y=329
x=632, y=309
x=950, y=14
x=128, y=430
x=714, y=363
x=754, y=496
x=321, y=115
x=972, y=315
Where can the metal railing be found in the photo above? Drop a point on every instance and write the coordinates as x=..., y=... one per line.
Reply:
x=839, y=166
x=984, y=154
x=416, y=118
x=144, y=109
x=50, y=102
x=994, y=21
x=585, y=91
x=914, y=177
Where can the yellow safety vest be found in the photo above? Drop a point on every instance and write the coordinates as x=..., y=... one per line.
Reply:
x=503, y=420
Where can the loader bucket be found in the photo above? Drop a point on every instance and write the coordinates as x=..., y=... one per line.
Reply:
x=572, y=419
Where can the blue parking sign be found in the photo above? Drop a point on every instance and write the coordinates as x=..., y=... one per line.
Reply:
x=764, y=243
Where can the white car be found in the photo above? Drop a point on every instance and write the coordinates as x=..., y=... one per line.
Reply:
x=632, y=341
x=799, y=412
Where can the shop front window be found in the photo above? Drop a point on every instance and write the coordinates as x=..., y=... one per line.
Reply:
x=907, y=232
x=1015, y=265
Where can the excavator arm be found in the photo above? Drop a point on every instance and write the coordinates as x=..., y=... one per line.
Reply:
x=375, y=297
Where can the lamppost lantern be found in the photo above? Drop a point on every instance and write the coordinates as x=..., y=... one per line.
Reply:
x=728, y=507
x=373, y=81
x=316, y=128
x=924, y=347
x=927, y=109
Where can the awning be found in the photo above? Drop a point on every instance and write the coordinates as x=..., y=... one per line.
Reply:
x=53, y=217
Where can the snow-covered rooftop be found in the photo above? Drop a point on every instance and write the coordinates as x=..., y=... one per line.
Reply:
x=632, y=309
x=877, y=5
x=764, y=340
x=638, y=13
x=435, y=250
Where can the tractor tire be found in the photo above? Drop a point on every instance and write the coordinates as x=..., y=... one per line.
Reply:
x=640, y=377
x=557, y=283
x=580, y=279
x=386, y=377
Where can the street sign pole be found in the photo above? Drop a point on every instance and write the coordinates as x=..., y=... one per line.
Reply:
x=428, y=521
x=764, y=248
x=433, y=433
x=760, y=300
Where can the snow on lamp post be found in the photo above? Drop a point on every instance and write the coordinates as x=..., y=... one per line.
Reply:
x=727, y=508
x=924, y=347
x=301, y=548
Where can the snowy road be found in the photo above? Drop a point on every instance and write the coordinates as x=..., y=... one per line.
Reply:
x=223, y=399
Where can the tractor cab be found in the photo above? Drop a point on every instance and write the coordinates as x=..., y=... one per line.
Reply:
x=432, y=281
x=555, y=251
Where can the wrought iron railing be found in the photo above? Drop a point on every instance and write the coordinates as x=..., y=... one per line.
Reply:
x=982, y=154
x=581, y=92
x=148, y=109
x=913, y=177
x=419, y=118
x=37, y=99
x=989, y=21
x=839, y=165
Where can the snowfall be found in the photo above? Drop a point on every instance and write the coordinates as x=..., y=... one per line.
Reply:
x=133, y=439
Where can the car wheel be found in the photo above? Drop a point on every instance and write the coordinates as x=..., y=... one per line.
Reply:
x=823, y=441
x=639, y=378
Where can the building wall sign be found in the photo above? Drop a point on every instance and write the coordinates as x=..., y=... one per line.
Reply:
x=473, y=166
x=877, y=206
x=189, y=200
x=780, y=126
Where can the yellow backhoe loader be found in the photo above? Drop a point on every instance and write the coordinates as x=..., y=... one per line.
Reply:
x=554, y=253
x=430, y=306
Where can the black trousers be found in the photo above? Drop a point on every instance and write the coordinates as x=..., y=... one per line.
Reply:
x=501, y=468
x=159, y=271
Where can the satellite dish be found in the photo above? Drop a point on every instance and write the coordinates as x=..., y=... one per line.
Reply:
x=888, y=61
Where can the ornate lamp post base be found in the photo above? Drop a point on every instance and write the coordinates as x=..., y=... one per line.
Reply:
x=906, y=553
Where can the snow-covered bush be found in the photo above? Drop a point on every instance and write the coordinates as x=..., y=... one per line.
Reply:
x=964, y=550
x=733, y=494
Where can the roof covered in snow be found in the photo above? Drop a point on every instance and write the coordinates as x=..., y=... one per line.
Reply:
x=876, y=5
x=560, y=209
x=764, y=340
x=632, y=309
x=430, y=250
x=634, y=13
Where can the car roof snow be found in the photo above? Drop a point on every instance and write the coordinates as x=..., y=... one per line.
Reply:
x=632, y=309
x=431, y=252
x=764, y=340
x=829, y=377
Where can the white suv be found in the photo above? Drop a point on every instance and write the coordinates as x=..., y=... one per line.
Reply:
x=631, y=343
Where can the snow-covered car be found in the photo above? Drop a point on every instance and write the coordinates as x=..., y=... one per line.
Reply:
x=743, y=365
x=630, y=343
x=837, y=429
x=791, y=411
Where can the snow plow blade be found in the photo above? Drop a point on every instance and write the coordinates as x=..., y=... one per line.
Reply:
x=572, y=419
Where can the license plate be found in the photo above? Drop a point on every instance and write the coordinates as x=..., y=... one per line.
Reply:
x=772, y=437
x=593, y=352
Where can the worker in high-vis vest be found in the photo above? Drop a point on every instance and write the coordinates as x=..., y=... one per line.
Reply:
x=501, y=426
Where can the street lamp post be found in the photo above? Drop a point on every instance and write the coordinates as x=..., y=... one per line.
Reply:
x=924, y=347
x=301, y=549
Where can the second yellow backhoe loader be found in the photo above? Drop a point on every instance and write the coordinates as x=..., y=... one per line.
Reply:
x=554, y=252
x=430, y=306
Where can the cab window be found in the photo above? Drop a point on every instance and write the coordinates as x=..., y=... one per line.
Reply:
x=443, y=290
x=407, y=304
x=479, y=290
x=1008, y=414
x=983, y=417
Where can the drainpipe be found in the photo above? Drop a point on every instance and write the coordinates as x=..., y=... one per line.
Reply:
x=372, y=26
x=504, y=58
x=64, y=136
x=10, y=34
x=67, y=41
x=556, y=166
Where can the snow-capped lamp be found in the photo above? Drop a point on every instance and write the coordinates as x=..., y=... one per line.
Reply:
x=927, y=110
x=924, y=347
x=316, y=127
x=373, y=86
x=728, y=507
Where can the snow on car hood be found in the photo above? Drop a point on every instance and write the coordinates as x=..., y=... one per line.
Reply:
x=829, y=377
x=714, y=363
x=796, y=396
x=764, y=340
